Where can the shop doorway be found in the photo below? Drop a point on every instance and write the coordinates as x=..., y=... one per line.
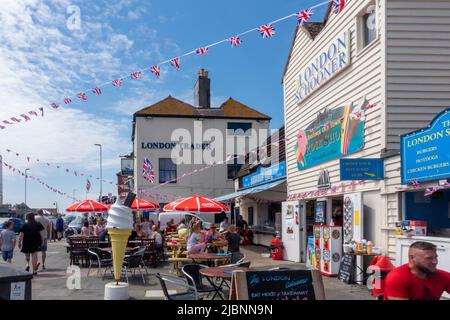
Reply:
x=337, y=216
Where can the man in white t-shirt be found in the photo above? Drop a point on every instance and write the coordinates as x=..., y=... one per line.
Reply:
x=46, y=232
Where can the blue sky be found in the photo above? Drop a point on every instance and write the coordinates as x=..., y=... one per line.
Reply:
x=43, y=59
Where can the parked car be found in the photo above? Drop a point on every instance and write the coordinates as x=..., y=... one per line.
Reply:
x=18, y=223
x=75, y=226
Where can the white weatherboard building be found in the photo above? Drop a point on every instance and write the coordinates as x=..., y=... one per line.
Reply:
x=172, y=130
x=352, y=85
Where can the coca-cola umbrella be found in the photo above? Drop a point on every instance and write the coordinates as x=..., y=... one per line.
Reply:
x=197, y=204
x=141, y=204
x=87, y=206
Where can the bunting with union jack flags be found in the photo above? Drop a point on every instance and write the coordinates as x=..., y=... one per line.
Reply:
x=201, y=50
x=156, y=71
x=339, y=6
x=147, y=171
x=303, y=16
x=267, y=31
x=235, y=41
x=175, y=62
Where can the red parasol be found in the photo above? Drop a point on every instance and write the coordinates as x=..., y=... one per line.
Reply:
x=87, y=206
x=196, y=204
x=141, y=204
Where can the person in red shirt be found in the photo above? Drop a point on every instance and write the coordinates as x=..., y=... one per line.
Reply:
x=419, y=279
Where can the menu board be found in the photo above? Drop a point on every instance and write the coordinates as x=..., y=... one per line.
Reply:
x=346, y=268
x=277, y=285
x=321, y=208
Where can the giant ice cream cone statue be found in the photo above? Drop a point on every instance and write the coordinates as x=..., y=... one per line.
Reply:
x=119, y=225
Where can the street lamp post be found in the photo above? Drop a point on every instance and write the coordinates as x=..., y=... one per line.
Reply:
x=99, y=145
x=56, y=204
x=26, y=176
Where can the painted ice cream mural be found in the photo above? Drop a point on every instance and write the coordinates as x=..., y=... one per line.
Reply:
x=335, y=133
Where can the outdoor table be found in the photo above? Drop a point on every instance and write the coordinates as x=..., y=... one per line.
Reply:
x=357, y=270
x=209, y=257
x=219, y=272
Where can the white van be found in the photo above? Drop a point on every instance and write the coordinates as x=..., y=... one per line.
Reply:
x=177, y=216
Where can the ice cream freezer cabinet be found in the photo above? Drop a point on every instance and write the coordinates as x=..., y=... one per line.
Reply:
x=327, y=249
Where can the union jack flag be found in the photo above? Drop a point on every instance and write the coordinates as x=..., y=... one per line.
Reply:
x=136, y=75
x=82, y=96
x=34, y=113
x=304, y=16
x=6, y=122
x=235, y=41
x=147, y=171
x=117, y=82
x=267, y=31
x=15, y=119
x=430, y=191
x=54, y=106
x=176, y=63
x=415, y=183
x=2, y=127
x=42, y=110
x=27, y=118
x=67, y=100
x=201, y=50
x=97, y=90
x=155, y=70
x=338, y=6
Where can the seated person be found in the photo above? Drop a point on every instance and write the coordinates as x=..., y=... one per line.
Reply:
x=157, y=237
x=139, y=231
x=181, y=225
x=419, y=279
x=233, y=238
x=86, y=229
x=195, y=243
x=212, y=234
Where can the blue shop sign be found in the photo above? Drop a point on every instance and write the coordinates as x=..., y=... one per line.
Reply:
x=362, y=169
x=263, y=175
x=425, y=153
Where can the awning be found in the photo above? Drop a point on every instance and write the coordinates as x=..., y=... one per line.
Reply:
x=250, y=190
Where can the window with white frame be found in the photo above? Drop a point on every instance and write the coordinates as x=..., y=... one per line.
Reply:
x=367, y=26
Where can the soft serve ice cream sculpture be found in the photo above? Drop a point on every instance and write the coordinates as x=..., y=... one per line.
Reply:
x=119, y=225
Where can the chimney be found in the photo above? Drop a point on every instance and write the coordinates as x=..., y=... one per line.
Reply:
x=202, y=90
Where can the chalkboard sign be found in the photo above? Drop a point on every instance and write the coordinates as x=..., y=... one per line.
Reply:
x=346, y=268
x=277, y=285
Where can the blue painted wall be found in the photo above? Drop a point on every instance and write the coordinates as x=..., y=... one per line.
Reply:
x=435, y=212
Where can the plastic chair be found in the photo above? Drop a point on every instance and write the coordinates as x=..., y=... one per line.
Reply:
x=99, y=259
x=194, y=278
x=189, y=294
x=133, y=262
x=236, y=257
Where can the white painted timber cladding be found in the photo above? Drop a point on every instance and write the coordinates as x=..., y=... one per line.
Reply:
x=418, y=64
x=361, y=78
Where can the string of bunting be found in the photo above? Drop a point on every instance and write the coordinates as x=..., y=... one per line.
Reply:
x=266, y=31
x=323, y=192
x=43, y=183
x=69, y=171
x=415, y=185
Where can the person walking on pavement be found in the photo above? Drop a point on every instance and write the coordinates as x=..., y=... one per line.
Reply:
x=7, y=241
x=47, y=234
x=419, y=279
x=59, y=227
x=30, y=239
